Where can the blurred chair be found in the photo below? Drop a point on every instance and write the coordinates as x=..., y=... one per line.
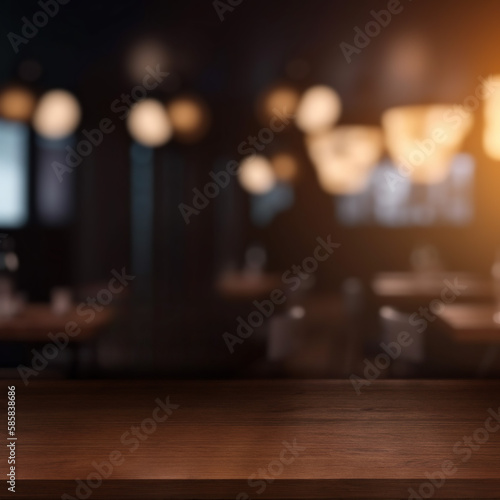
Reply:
x=410, y=362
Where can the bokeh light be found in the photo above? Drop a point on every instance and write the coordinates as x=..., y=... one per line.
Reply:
x=190, y=118
x=17, y=103
x=422, y=140
x=256, y=174
x=57, y=115
x=148, y=123
x=285, y=167
x=279, y=98
x=318, y=110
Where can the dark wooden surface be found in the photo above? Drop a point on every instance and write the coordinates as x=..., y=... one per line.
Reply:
x=373, y=445
x=472, y=323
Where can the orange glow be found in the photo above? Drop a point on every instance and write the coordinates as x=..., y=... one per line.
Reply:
x=285, y=167
x=491, y=134
x=424, y=139
x=344, y=157
x=190, y=118
x=17, y=103
x=282, y=98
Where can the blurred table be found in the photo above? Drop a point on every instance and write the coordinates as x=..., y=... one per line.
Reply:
x=313, y=439
x=411, y=288
x=36, y=321
x=471, y=323
x=237, y=285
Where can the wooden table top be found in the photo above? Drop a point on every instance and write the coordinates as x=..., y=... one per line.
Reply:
x=392, y=287
x=36, y=321
x=474, y=323
x=374, y=445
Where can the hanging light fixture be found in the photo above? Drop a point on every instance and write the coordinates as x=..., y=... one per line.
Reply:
x=344, y=157
x=422, y=140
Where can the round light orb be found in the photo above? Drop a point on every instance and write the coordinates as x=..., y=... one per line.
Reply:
x=149, y=124
x=256, y=175
x=277, y=99
x=318, y=110
x=285, y=167
x=17, y=103
x=190, y=118
x=57, y=115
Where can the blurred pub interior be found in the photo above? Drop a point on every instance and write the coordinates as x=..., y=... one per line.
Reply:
x=379, y=134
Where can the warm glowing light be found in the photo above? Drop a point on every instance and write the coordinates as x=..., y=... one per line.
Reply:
x=256, y=174
x=278, y=99
x=190, y=118
x=149, y=124
x=318, y=109
x=146, y=55
x=17, y=103
x=57, y=114
x=285, y=167
x=491, y=134
x=344, y=157
x=422, y=140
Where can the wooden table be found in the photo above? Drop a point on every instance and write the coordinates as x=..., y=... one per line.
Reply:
x=374, y=445
x=36, y=321
x=410, y=288
x=471, y=323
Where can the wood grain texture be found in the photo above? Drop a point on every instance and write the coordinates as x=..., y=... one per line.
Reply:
x=374, y=445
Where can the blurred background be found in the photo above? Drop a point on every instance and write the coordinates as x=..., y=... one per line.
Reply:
x=246, y=188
